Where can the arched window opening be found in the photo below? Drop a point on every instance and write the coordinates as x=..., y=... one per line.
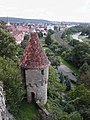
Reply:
x=42, y=72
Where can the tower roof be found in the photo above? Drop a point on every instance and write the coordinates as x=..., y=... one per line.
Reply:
x=34, y=56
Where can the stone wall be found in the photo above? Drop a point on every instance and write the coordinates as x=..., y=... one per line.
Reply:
x=36, y=82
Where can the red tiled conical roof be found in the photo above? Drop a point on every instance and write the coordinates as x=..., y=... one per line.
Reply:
x=34, y=56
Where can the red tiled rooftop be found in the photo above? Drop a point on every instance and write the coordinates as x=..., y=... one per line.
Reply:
x=34, y=56
x=23, y=28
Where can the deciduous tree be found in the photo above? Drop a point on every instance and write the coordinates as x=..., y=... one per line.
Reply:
x=13, y=86
x=8, y=47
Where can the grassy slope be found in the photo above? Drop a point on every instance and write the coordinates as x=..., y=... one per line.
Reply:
x=27, y=111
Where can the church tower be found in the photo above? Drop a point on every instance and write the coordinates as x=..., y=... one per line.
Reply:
x=36, y=67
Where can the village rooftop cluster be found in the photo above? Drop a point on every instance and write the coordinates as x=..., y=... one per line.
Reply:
x=18, y=30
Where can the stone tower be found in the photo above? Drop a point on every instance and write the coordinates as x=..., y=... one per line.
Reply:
x=35, y=65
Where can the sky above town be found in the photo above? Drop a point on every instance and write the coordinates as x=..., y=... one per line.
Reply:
x=55, y=10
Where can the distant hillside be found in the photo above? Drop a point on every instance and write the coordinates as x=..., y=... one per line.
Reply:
x=13, y=20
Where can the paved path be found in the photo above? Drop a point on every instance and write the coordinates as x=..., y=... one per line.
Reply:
x=67, y=72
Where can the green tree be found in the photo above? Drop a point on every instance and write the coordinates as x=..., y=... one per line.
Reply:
x=75, y=116
x=20, y=51
x=40, y=34
x=53, y=47
x=55, y=28
x=24, y=42
x=85, y=77
x=84, y=68
x=87, y=58
x=85, y=30
x=8, y=47
x=48, y=40
x=50, y=31
x=73, y=42
x=69, y=108
x=2, y=25
x=13, y=86
x=79, y=54
x=63, y=35
x=80, y=96
x=54, y=94
x=49, y=52
x=53, y=59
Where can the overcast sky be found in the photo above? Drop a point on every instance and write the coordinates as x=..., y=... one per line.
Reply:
x=56, y=10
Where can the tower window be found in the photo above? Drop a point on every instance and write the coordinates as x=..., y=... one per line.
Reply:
x=32, y=96
x=42, y=72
